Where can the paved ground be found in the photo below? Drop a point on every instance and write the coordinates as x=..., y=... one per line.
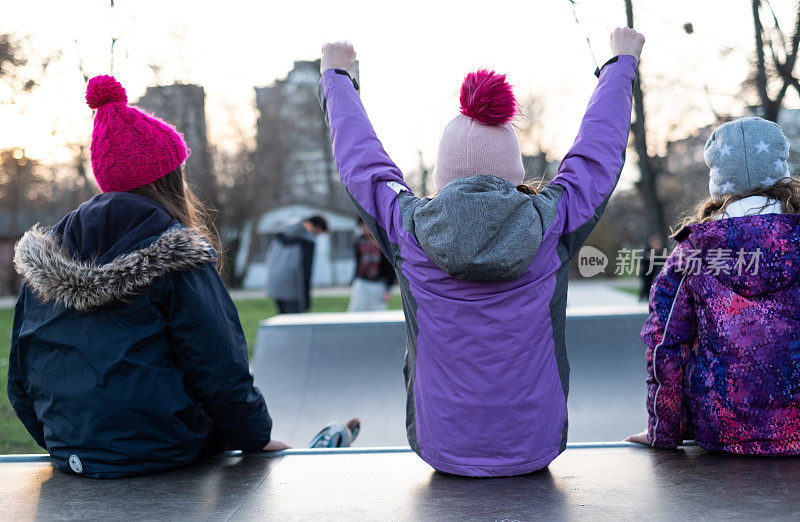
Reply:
x=582, y=292
x=589, y=291
x=601, y=292
x=613, y=483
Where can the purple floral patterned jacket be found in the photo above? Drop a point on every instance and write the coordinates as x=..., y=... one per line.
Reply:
x=723, y=338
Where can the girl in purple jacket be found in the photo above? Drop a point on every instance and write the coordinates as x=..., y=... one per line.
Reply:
x=483, y=266
x=723, y=336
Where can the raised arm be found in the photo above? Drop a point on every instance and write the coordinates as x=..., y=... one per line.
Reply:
x=590, y=170
x=369, y=175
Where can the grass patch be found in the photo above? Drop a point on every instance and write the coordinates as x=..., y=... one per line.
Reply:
x=628, y=290
x=14, y=437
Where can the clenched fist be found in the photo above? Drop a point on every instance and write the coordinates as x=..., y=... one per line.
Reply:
x=626, y=41
x=337, y=55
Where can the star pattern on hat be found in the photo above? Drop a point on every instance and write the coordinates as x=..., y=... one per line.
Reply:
x=761, y=147
x=778, y=164
x=726, y=187
x=724, y=150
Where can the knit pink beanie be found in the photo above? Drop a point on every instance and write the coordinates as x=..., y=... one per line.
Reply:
x=130, y=148
x=481, y=139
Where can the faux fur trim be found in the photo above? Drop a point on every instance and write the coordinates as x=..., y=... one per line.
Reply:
x=54, y=275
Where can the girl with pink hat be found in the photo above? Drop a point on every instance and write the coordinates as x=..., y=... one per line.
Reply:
x=483, y=265
x=127, y=356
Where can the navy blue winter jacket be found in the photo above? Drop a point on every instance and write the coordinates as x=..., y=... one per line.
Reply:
x=127, y=354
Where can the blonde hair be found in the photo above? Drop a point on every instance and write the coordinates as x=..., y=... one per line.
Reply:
x=785, y=191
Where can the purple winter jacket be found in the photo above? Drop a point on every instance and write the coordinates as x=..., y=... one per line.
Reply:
x=723, y=338
x=483, y=272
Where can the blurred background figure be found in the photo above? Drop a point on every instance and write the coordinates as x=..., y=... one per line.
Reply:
x=648, y=271
x=374, y=275
x=289, y=262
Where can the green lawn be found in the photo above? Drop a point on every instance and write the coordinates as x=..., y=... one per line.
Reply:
x=15, y=439
x=628, y=290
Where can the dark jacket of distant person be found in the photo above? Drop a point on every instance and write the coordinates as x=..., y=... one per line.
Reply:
x=289, y=262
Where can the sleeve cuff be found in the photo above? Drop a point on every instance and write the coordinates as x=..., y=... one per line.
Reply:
x=331, y=76
x=663, y=442
x=621, y=58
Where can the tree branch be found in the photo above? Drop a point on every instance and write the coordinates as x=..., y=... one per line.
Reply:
x=778, y=27
x=761, y=68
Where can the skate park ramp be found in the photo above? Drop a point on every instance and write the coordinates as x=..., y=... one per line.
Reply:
x=319, y=368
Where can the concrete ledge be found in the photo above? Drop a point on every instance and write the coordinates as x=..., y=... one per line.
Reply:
x=614, y=481
x=37, y=457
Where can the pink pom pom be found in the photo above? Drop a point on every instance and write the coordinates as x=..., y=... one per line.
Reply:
x=104, y=89
x=487, y=97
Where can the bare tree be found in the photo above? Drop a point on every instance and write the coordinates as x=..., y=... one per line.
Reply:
x=21, y=189
x=424, y=175
x=239, y=191
x=252, y=180
x=532, y=139
x=773, y=78
x=530, y=130
x=649, y=166
x=11, y=54
x=19, y=70
x=419, y=177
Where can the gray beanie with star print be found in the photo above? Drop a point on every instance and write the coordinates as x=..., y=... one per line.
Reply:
x=745, y=155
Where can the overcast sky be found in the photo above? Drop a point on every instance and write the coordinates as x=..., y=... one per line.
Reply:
x=413, y=56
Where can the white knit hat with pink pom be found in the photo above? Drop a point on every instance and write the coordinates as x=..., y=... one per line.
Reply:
x=481, y=139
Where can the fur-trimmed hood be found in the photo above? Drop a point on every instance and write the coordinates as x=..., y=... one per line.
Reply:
x=54, y=275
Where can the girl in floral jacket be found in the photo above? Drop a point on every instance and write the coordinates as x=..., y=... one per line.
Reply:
x=723, y=335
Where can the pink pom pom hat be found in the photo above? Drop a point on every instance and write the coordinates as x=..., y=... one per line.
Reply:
x=481, y=139
x=130, y=148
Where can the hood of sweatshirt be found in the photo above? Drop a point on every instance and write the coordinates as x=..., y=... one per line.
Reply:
x=479, y=228
x=112, y=247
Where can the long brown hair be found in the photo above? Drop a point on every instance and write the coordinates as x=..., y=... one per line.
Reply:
x=178, y=199
x=531, y=188
x=786, y=191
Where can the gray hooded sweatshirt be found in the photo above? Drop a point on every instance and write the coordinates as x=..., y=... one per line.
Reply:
x=479, y=229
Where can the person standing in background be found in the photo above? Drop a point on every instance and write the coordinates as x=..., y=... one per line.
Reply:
x=374, y=277
x=289, y=262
